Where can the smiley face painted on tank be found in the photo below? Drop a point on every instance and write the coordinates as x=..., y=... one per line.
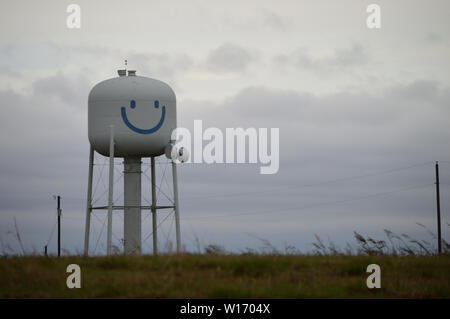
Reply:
x=143, y=130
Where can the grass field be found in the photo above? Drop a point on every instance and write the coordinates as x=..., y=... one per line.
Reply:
x=226, y=276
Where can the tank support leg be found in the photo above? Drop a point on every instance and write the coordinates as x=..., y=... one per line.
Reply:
x=177, y=211
x=154, y=220
x=110, y=191
x=89, y=202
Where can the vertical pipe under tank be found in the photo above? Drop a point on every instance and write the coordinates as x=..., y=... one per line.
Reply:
x=132, y=203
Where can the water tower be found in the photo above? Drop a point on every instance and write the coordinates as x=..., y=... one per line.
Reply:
x=131, y=117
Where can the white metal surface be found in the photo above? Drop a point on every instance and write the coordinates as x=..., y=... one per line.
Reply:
x=131, y=117
x=175, y=200
x=110, y=191
x=89, y=201
x=154, y=217
x=132, y=205
x=142, y=111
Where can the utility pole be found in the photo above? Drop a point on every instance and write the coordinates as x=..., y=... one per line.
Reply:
x=438, y=205
x=59, y=225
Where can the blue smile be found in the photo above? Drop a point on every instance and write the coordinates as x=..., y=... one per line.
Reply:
x=137, y=129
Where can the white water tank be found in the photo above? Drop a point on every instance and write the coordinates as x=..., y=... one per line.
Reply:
x=141, y=110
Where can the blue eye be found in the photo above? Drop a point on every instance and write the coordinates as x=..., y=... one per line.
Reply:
x=132, y=104
x=157, y=104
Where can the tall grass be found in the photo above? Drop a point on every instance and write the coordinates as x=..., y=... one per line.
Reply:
x=392, y=245
x=395, y=245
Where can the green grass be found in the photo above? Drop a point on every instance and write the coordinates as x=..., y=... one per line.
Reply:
x=226, y=276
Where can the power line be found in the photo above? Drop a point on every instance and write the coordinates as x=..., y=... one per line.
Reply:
x=280, y=188
x=316, y=205
x=51, y=233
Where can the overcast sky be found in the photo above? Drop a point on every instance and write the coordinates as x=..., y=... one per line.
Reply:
x=363, y=114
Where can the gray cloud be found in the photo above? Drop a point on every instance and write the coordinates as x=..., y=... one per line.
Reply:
x=229, y=58
x=343, y=111
x=70, y=90
x=339, y=60
x=433, y=38
x=358, y=111
x=322, y=138
x=160, y=64
x=90, y=62
x=275, y=21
